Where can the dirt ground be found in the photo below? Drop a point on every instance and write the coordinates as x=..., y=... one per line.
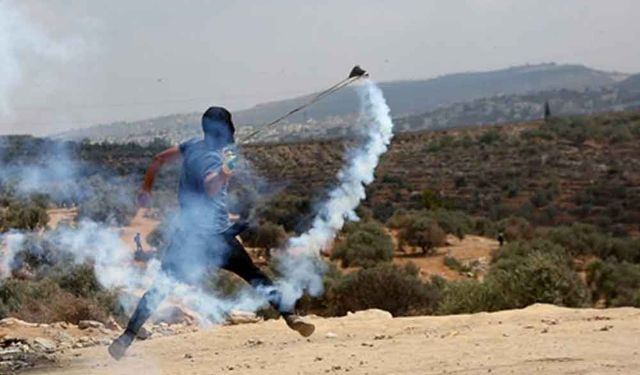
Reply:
x=541, y=339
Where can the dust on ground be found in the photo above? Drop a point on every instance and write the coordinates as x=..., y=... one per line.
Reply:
x=539, y=339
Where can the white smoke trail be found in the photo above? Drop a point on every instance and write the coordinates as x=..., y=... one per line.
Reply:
x=300, y=264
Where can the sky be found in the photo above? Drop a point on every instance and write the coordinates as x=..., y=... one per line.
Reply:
x=73, y=63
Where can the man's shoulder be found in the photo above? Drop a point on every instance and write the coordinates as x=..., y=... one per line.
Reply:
x=189, y=144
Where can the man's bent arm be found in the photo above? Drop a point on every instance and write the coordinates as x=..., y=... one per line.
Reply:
x=169, y=155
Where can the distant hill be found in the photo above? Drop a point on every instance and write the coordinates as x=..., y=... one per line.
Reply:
x=335, y=113
x=408, y=97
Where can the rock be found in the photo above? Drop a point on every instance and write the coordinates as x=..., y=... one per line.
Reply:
x=84, y=324
x=112, y=324
x=12, y=322
x=63, y=338
x=331, y=335
x=175, y=315
x=144, y=333
x=60, y=325
x=242, y=317
x=370, y=314
x=44, y=345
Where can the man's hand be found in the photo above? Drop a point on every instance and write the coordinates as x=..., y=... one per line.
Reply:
x=143, y=199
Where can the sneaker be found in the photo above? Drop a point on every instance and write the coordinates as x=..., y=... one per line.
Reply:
x=296, y=323
x=120, y=345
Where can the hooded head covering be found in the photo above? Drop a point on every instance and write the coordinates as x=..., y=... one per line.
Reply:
x=217, y=126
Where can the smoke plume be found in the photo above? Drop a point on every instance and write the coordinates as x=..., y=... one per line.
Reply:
x=21, y=41
x=300, y=263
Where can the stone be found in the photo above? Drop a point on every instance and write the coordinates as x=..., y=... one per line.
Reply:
x=112, y=324
x=175, y=315
x=85, y=324
x=144, y=333
x=44, y=345
x=11, y=322
x=242, y=317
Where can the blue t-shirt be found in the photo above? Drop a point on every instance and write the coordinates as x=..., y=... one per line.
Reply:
x=199, y=211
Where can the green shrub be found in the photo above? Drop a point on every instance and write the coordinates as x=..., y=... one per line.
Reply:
x=432, y=200
x=365, y=244
x=537, y=271
x=44, y=301
x=490, y=136
x=455, y=265
x=287, y=210
x=398, y=290
x=618, y=283
x=267, y=236
x=516, y=228
x=468, y=296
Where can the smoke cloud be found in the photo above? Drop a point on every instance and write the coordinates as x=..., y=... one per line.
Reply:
x=21, y=41
x=300, y=263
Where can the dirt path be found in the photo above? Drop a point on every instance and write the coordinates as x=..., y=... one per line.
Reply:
x=139, y=224
x=541, y=339
x=471, y=248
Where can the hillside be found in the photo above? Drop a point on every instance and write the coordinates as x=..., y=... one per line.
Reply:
x=538, y=339
x=333, y=116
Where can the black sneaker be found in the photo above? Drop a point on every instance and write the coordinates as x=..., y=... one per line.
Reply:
x=296, y=323
x=119, y=346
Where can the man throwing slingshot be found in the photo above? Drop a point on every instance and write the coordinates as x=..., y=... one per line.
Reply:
x=204, y=237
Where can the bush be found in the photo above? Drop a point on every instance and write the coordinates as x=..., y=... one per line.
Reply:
x=516, y=228
x=584, y=239
x=455, y=265
x=395, y=289
x=267, y=236
x=27, y=215
x=432, y=200
x=365, y=244
x=617, y=283
x=422, y=232
x=537, y=271
x=44, y=301
x=468, y=296
x=490, y=136
x=288, y=210
x=109, y=202
x=451, y=222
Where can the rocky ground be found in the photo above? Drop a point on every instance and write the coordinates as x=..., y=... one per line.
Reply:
x=541, y=339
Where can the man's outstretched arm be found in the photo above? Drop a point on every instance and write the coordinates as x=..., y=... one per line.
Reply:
x=170, y=155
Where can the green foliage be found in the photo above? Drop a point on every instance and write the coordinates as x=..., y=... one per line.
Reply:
x=287, y=210
x=395, y=289
x=24, y=214
x=490, y=136
x=45, y=301
x=618, y=283
x=516, y=228
x=432, y=200
x=266, y=236
x=468, y=296
x=365, y=244
x=584, y=239
x=110, y=202
x=521, y=274
x=418, y=229
x=538, y=271
x=455, y=265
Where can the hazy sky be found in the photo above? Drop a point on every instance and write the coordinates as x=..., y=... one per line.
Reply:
x=109, y=60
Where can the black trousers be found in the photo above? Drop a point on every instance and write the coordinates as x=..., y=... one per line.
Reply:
x=236, y=260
